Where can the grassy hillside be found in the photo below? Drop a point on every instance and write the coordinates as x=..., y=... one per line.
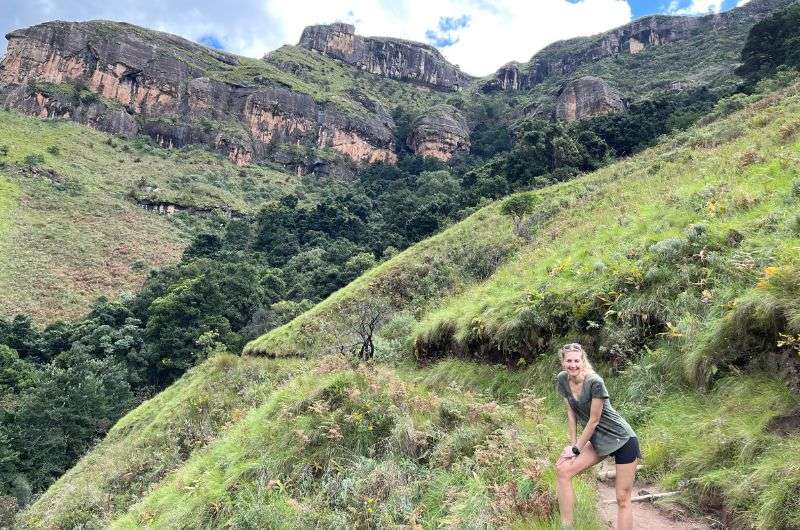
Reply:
x=678, y=268
x=69, y=212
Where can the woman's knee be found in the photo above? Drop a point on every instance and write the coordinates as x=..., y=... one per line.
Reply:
x=563, y=471
x=624, y=497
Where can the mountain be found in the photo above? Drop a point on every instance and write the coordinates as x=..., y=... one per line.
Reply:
x=496, y=224
x=129, y=80
x=654, y=54
x=334, y=93
x=687, y=253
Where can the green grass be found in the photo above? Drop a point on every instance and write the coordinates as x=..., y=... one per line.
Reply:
x=727, y=453
x=688, y=248
x=655, y=263
x=74, y=221
x=366, y=448
x=9, y=194
x=156, y=438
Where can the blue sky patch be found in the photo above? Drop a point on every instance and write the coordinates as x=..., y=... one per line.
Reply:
x=444, y=35
x=641, y=8
x=212, y=41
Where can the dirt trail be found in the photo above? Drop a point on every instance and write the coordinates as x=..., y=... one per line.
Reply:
x=646, y=515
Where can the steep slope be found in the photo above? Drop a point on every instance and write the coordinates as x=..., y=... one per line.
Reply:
x=652, y=55
x=680, y=264
x=81, y=209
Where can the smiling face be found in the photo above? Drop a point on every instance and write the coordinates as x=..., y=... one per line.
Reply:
x=572, y=362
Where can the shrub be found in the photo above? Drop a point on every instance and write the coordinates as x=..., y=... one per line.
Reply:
x=53, y=150
x=670, y=249
x=794, y=224
x=4, y=150
x=33, y=160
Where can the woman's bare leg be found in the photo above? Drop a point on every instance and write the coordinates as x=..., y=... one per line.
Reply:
x=624, y=487
x=564, y=473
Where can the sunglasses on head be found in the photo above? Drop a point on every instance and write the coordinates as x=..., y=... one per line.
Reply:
x=572, y=346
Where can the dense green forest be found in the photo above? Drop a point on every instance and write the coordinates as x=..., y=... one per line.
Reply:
x=63, y=386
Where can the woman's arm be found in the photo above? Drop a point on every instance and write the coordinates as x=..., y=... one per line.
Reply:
x=572, y=423
x=594, y=419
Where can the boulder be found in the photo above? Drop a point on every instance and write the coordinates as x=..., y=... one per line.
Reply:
x=440, y=132
x=586, y=97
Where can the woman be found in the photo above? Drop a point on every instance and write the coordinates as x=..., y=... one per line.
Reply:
x=605, y=433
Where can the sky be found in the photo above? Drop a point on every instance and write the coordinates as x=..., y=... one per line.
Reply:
x=478, y=35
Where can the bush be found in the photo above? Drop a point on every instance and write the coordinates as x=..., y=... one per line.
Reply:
x=53, y=150
x=4, y=150
x=794, y=224
x=33, y=160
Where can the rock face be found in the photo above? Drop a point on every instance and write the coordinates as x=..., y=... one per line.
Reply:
x=440, y=132
x=396, y=58
x=565, y=57
x=128, y=80
x=585, y=97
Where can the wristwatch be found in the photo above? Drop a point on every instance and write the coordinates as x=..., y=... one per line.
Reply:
x=575, y=451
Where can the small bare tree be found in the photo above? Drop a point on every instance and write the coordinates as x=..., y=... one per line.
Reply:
x=363, y=319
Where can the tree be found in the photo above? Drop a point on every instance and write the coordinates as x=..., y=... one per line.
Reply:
x=772, y=42
x=77, y=398
x=362, y=320
x=22, y=336
x=190, y=308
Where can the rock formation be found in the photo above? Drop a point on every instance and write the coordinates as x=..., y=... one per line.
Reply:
x=396, y=58
x=586, y=97
x=440, y=132
x=128, y=80
x=565, y=57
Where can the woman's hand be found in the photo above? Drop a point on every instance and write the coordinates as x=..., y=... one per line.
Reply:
x=565, y=455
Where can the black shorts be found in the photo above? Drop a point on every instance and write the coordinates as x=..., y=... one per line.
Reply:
x=628, y=452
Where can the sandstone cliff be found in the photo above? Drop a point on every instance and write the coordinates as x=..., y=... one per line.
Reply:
x=586, y=97
x=566, y=57
x=396, y=58
x=440, y=132
x=128, y=80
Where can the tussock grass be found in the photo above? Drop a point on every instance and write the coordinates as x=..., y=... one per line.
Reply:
x=368, y=448
x=720, y=445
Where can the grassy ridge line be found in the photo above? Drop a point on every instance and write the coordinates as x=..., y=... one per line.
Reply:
x=156, y=438
x=424, y=276
x=411, y=281
x=80, y=194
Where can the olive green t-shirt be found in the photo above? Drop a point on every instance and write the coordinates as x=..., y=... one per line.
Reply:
x=613, y=431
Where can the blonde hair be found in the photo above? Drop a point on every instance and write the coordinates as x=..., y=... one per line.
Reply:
x=574, y=346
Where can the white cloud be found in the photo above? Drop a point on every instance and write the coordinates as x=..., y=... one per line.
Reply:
x=698, y=7
x=740, y=3
x=498, y=31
